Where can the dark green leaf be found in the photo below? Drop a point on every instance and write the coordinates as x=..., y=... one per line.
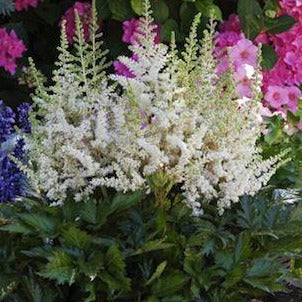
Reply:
x=160, y=11
x=153, y=246
x=137, y=6
x=74, y=237
x=59, y=268
x=251, y=17
x=279, y=25
x=169, y=284
x=168, y=27
x=120, y=9
x=158, y=272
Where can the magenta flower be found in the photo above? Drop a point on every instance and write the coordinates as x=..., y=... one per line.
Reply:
x=84, y=11
x=25, y=4
x=244, y=52
x=11, y=48
x=232, y=24
x=131, y=31
x=130, y=28
x=121, y=69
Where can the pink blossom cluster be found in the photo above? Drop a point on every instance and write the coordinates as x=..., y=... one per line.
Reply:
x=280, y=84
x=130, y=36
x=293, y=8
x=83, y=9
x=242, y=53
x=11, y=48
x=25, y=4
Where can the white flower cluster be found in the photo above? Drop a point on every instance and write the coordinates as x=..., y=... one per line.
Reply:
x=175, y=116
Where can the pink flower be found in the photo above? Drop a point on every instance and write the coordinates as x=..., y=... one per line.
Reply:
x=262, y=38
x=25, y=4
x=11, y=48
x=84, y=11
x=131, y=31
x=244, y=52
x=231, y=25
x=242, y=78
x=122, y=70
x=294, y=94
x=276, y=96
x=299, y=125
x=130, y=28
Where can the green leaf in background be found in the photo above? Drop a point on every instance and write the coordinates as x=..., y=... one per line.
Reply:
x=269, y=57
x=251, y=17
x=168, y=27
x=209, y=9
x=137, y=6
x=120, y=9
x=279, y=25
x=160, y=11
x=187, y=13
x=103, y=9
x=49, y=12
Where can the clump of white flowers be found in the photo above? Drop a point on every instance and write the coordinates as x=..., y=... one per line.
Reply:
x=175, y=116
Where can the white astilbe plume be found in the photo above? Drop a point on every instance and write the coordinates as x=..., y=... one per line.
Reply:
x=175, y=116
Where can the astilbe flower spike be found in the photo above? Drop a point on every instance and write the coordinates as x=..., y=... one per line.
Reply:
x=130, y=36
x=176, y=117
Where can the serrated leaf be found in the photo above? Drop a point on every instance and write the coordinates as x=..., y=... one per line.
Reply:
x=89, y=211
x=153, y=245
x=159, y=270
x=38, y=223
x=16, y=227
x=114, y=275
x=279, y=25
x=74, y=237
x=122, y=202
x=169, y=284
x=59, y=268
x=92, y=265
x=269, y=57
x=242, y=248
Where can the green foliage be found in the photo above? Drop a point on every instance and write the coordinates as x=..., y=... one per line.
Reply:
x=270, y=57
x=142, y=250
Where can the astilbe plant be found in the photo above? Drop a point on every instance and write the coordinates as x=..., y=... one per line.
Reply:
x=175, y=119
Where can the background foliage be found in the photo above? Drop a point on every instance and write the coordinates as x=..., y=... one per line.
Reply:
x=39, y=29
